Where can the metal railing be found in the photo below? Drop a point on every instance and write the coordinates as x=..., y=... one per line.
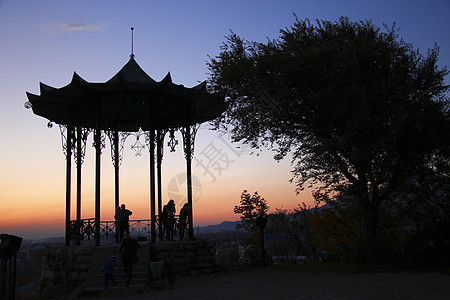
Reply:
x=85, y=229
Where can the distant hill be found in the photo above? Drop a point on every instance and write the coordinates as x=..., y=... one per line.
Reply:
x=50, y=240
x=224, y=226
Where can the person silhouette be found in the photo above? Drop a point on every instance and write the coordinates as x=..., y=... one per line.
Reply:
x=108, y=271
x=164, y=219
x=170, y=220
x=182, y=222
x=128, y=252
x=123, y=218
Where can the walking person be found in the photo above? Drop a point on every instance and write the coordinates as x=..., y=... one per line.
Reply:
x=108, y=271
x=182, y=221
x=128, y=253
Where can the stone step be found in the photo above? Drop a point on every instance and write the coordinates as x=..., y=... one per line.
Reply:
x=101, y=254
x=100, y=261
x=95, y=268
x=179, y=257
x=122, y=281
x=118, y=276
x=94, y=283
x=119, y=290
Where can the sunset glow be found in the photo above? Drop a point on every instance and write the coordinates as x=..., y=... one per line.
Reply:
x=46, y=41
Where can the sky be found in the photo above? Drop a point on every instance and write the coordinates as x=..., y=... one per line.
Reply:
x=46, y=41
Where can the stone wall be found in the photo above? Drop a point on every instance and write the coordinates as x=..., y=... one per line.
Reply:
x=186, y=257
x=62, y=265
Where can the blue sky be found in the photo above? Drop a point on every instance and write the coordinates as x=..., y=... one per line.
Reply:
x=46, y=41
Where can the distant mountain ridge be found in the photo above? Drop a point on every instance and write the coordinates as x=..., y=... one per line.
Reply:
x=224, y=226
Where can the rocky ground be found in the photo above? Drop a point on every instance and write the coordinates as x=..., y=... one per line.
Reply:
x=271, y=283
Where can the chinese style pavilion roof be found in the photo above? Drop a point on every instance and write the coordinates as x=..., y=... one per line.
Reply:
x=130, y=100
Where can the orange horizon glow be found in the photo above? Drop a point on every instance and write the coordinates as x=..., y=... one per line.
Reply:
x=35, y=205
x=40, y=219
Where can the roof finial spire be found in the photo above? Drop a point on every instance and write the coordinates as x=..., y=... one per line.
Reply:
x=132, y=54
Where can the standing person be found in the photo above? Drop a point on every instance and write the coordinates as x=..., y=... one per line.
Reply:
x=182, y=222
x=170, y=219
x=123, y=220
x=164, y=219
x=128, y=252
x=108, y=271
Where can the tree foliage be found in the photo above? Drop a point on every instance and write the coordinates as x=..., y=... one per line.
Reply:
x=290, y=235
x=250, y=208
x=359, y=110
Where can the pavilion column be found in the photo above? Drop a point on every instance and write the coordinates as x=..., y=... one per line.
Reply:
x=116, y=150
x=79, y=163
x=116, y=168
x=159, y=155
x=189, y=138
x=97, y=142
x=152, y=185
x=68, y=180
x=116, y=176
x=189, y=182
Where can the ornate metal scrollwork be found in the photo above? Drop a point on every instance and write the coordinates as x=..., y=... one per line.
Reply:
x=122, y=136
x=28, y=105
x=102, y=141
x=138, y=146
x=149, y=142
x=192, y=132
x=160, y=134
x=64, y=137
x=173, y=142
x=84, y=134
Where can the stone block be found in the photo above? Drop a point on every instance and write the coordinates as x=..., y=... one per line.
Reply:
x=181, y=261
x=163, y=246
x=204, y=265
x=83, y=250
x=163, y=255
x=82, y=268
x=82, y=276
x=74, y=275
x=84, y=259
x=191, y=247
x=202, y=252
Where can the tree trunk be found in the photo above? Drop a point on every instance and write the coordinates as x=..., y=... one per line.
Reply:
x=370, y=218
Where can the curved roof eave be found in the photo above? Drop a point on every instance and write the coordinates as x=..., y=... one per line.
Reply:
x=128, y=101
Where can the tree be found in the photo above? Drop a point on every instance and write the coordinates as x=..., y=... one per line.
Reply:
x=251, y=207
x=290, y=234
x=358, y=109
x=253, y=210
x=425, y=204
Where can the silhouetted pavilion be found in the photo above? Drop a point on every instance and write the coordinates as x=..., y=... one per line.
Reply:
x=131, y=102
